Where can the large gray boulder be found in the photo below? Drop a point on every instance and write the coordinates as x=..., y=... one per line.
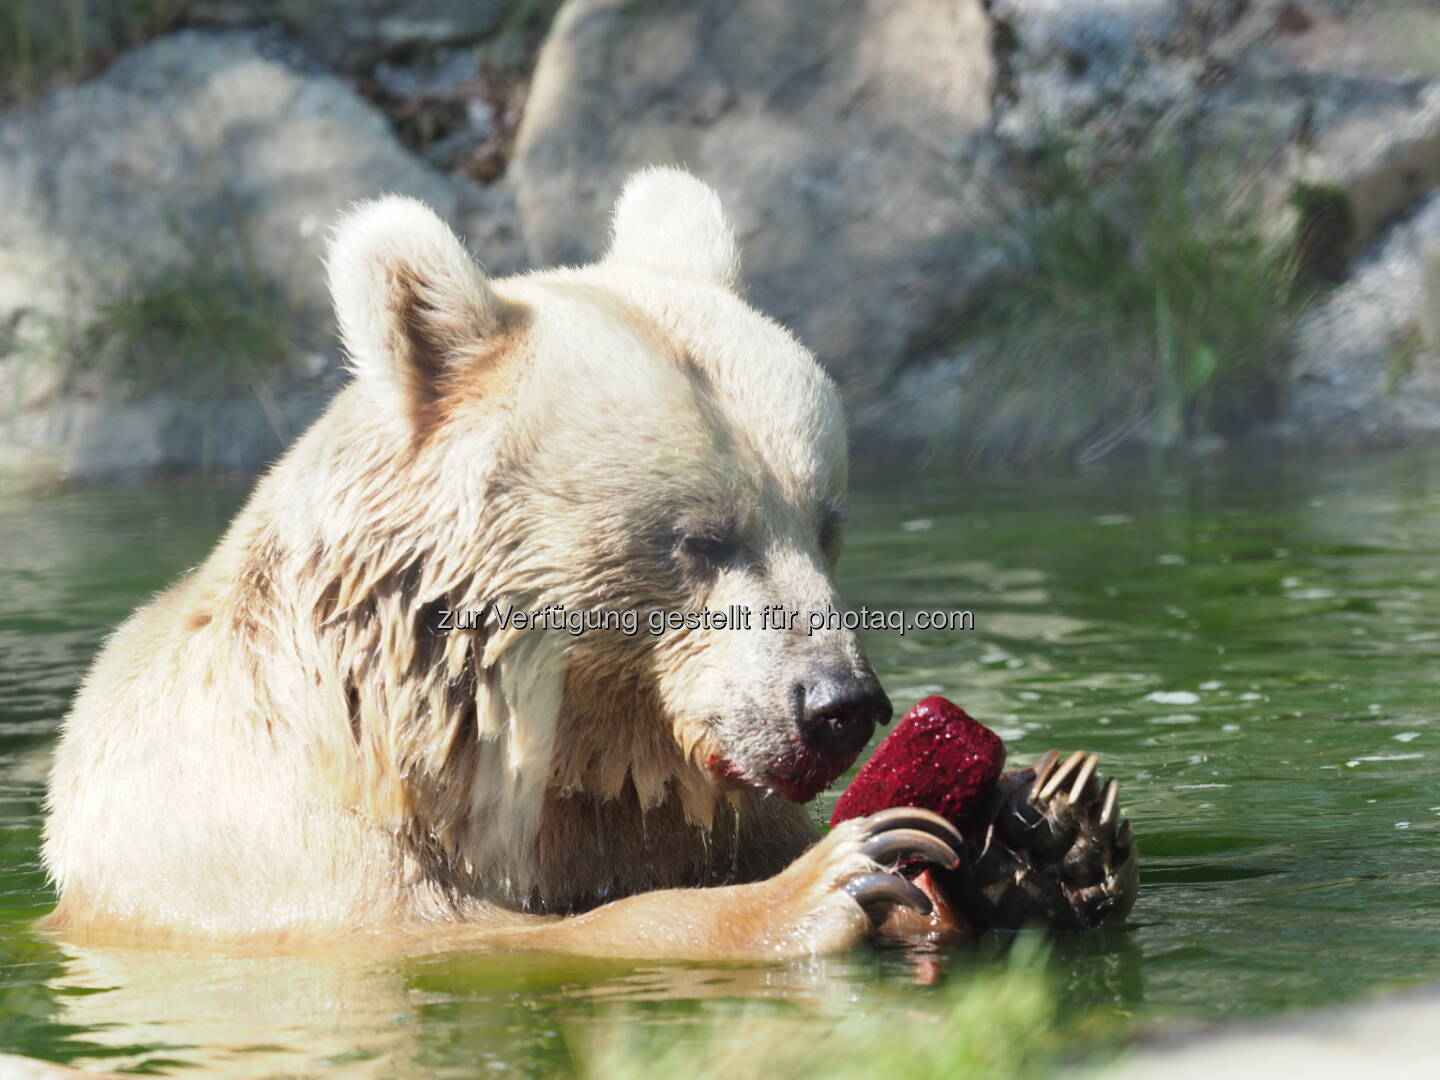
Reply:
x=1328, y=107
x=1366, y=370
x=848, y=140
x=1352, y=94
x=1319, y=120
x=199, y=155
x=197, y=147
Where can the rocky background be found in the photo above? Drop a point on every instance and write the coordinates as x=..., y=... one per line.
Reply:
x=1013, y=230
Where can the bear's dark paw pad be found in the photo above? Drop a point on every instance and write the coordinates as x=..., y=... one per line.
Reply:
x=1056, y=851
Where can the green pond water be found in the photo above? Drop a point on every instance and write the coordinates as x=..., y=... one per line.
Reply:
x=1252, y=648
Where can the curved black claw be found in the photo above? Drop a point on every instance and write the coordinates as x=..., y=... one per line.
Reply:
x=1053, y=848
x=912, y=817
x=895, y=846
x=878, y=893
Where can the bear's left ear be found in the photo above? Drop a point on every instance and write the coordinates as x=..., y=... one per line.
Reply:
x=410, y=301
x=667, y=220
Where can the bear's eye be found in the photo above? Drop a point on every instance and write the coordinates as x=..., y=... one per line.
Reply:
x=709, y=547
x=831, y=522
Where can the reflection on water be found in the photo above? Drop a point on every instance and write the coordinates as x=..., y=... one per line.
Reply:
x=1253, y=650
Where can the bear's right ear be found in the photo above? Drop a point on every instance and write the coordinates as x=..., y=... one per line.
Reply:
x=410, y=301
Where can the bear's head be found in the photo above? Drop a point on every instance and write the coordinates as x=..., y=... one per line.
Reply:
x=627, y=436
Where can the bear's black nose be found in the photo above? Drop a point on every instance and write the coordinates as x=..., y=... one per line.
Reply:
x=838, y=711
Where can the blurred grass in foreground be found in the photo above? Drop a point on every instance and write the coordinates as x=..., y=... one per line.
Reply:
x=1001, y=1023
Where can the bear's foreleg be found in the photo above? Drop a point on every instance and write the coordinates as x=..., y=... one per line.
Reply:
x=828, y=900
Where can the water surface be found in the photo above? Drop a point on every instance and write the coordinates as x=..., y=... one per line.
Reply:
x=1252, y=648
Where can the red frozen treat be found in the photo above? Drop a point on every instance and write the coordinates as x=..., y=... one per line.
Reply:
x=937, y=758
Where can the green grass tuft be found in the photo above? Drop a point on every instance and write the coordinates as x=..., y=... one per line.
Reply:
x=1145, y=308
x=197, y=334
x=1000, y=1023
x=200, y=330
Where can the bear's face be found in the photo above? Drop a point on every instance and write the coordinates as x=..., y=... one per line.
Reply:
x=697, y=459
x=653, y=446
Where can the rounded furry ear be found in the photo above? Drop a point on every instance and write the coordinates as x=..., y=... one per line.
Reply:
x=667, y=220
x=409, y=299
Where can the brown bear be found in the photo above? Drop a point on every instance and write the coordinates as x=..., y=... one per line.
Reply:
x=356, y=714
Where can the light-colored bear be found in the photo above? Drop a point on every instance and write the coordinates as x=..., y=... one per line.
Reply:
x=290, y=745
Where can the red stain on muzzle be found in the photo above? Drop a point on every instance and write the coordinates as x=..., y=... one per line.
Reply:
x=799, y=777
x=808, y=772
